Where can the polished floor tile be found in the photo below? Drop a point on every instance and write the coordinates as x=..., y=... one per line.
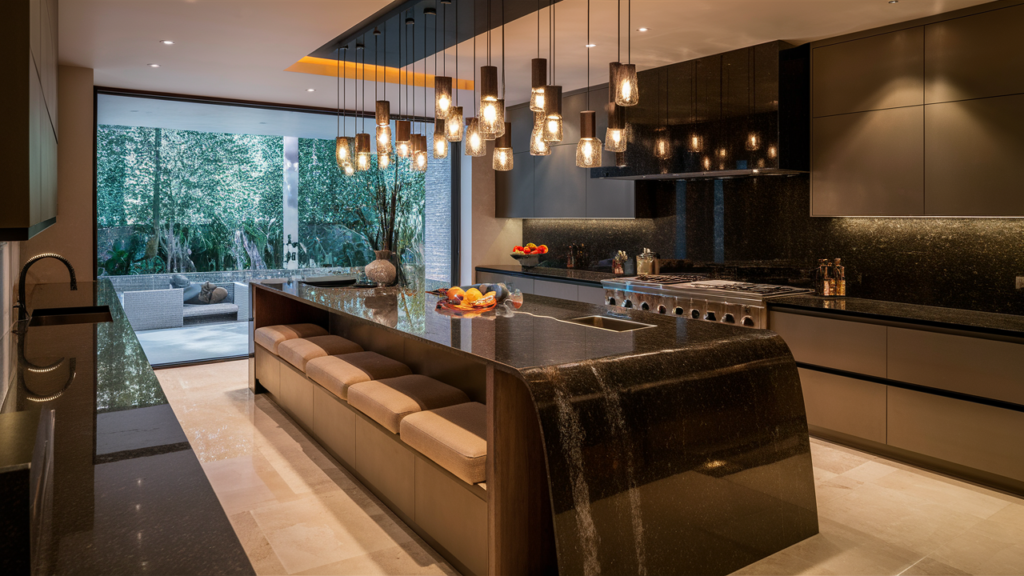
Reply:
x=297, y=511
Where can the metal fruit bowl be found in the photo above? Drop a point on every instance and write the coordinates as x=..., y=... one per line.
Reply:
x=527, y=260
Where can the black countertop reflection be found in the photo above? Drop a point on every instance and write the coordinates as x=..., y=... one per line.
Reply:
x=681, y=448
x=128, y=493
x=933, y=316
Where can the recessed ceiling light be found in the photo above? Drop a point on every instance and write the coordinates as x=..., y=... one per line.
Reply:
x=154, y=65
x=642, y=29
x=893, y=1
x=167, y=42
x=310, y=89
x=591, y=45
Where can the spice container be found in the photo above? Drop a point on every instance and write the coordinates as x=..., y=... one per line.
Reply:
x=645, y=262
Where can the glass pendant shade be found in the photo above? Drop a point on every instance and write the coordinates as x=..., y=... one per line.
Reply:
x=490, y=114
x=442, y=97
x=626, y=92
x=553, y=114
x=615, y=136
x=503, y=157
x=420, y=157
x=440, y=142
x=343, y=150
x=349, y=170
x=538, y=146
x=753, y=142
x=588, y=150
x=492, y=119
x=695, y=143
x=706, y=163
x=539, y=68
x=453, y=126
x=362, y=152
x=403, y=139
x=383, y=161
x=383, y=139
x=662, y=146
x=475, y=144
x=773, y=151
x=382, y=113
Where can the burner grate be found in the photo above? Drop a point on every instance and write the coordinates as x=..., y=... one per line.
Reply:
x=671, y=278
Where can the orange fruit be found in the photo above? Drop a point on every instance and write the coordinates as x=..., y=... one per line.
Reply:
x=454, y=291
x=472, y=295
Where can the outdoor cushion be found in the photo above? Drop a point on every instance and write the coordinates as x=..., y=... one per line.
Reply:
x=337, y=373
x=212, y=294
x=454, y=437
x=191, y=291
x=388, y=401
x=270, y=336
x=299, y=351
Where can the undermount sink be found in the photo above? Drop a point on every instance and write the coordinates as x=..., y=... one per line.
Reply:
x=63, y=316
x=606, y=323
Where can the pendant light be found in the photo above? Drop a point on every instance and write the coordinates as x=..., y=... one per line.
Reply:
x=382, y=108
x=503, y=156
x=625, y=82
x=539, y=74
x=615, y=134
x=694, y=142
x=442, y=84
x=439, y=141
x=420, y=155
x=362, y=139
x=538, y=146
x=753, y=141
x=475, y=145
x=588, y=150
x=454, y=124
x=403, y=128
x=342, y=144
x=491, y=115
x=552, y=92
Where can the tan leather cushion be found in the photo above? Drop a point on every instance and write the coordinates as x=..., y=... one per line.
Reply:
x=455, y=437
x=337, y=373
x=388, y=401
x=270, y=336
x=299, y=351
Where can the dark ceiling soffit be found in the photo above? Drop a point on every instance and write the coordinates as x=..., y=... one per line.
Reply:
x=391, y=18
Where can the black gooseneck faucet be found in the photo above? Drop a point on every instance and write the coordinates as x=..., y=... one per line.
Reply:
x=22, y=305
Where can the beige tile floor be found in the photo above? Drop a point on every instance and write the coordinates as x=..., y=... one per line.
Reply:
x=297, y=511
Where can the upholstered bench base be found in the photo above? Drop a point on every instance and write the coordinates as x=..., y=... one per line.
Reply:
x=388, y=401
x=454, y=437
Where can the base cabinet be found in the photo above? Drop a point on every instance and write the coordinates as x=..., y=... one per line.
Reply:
x=268, y=370
x=334, y=423
x=847, y=405
x=297, y=395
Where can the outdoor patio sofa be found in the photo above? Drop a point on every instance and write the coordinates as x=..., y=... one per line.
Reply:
x=165, y=308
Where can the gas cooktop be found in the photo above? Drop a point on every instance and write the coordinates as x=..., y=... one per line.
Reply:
x=664, y=279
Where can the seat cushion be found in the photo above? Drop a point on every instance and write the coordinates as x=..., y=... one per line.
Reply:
x=337, y=373
x=299, y=351
x=270, y=336
x=455, y=437
x=388, y=401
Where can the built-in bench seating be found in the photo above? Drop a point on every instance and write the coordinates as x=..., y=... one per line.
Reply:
x=417, y=442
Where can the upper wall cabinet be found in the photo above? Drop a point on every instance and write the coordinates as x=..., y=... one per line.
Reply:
x=923, y=121
x=28, y=151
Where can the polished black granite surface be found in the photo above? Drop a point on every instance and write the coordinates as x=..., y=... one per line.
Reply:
x=679, y=448
x=568, y=275
x=127, y=494
x=970, y=320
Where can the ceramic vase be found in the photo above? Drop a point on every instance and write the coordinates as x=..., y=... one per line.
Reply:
x=381, y=271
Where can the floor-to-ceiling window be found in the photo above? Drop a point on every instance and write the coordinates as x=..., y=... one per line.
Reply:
x=195, y=199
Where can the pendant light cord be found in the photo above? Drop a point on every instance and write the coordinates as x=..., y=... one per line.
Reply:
x=538, y=28
x=588, y=54
x=456, y=82
x=338, y=54
x=503, y=50
x=618, y=15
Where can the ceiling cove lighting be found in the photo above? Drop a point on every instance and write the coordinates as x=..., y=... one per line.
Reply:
x=625, y=81
x=552, y=92
x=588, y=149
x=455, y=123
x=342, y=144
x=503, y=157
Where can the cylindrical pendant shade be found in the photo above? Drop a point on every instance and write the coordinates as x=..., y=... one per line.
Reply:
x=505, y=140
x=403, y=139
x=626, y=92
x=475, y=144
x=662, y=144
x=440, y=147
x=343, y=150
x=454, y=125
x=538, y=76
x=488, y=83
x=695, y=143
x=384, y=139
x=588, y=151
x=553, y=101
x=615, y=139
x=613, y=78
x=492, y=118
x=588, y=124
x=383, y=161
x=503, y=156
x=552, y=130
x=753, y=142
x=620, y=159
x=499, y=127
x=362, y=143
x=383, y=113
x=442, y=97
x=419, y=160
x=349, y=170
x=538, y=146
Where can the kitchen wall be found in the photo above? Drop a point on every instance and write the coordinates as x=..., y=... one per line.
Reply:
x=754, y=224
x=483, y=239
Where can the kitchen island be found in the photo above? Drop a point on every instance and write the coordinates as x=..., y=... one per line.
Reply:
x=676, y=447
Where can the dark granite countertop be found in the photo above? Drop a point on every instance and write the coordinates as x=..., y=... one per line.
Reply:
x=952, y=318
x=128, y=493
x=567, y=275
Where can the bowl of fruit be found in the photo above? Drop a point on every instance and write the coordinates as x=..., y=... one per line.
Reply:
x=529, y=255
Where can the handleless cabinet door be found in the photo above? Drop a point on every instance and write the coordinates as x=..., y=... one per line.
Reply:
x=560, y=187
x=973, y=152
x=975, y=57
x=873, y=73
x=851, y=346
x=591, y=295
x=521, y=118
x=869, y=164
x=514, y=190
x=847, y=405
x=610, y=198
x=555, y=290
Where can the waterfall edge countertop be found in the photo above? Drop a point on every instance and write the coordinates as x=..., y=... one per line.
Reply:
x=129, y=495
x=677, y=448
x=933, y=316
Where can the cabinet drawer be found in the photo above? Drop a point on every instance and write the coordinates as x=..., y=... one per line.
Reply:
x=852, y=346
x=297, y=395
x=591, y=295
x=966, y=433
x=975, y=366
x=847, y=405
x=334, y=424
x=387, y=465
x=555, y=290
x=491, y=277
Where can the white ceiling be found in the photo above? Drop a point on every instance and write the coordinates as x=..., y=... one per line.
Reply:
x=241, y=48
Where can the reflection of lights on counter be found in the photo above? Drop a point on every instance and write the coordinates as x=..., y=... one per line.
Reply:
x=773, y=151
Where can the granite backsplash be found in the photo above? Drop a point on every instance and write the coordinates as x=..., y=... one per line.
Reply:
x=760, y=229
